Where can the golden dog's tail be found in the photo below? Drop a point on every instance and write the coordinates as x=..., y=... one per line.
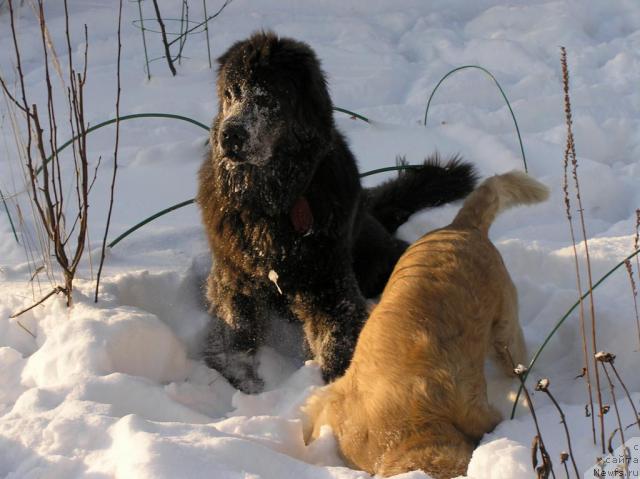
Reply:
x=495, y=195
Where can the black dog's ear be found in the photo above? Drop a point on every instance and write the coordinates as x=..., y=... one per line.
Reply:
x=315, y=90
x=224, y=58
x=312, y=102
x=257, y=47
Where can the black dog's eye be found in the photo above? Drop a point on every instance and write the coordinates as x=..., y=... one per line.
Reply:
x=237, y=92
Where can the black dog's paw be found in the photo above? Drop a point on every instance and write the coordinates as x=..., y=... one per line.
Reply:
x=239, y=368
x=336, y=357
x=251, y=384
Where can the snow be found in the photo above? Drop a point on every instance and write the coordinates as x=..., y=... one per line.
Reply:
x=118, y=388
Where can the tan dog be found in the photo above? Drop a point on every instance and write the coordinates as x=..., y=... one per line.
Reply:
x=414, y=396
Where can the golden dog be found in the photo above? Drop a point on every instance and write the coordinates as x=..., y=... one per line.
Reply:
x=414, y=396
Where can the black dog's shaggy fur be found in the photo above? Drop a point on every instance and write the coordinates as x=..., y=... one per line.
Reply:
x=289, y=225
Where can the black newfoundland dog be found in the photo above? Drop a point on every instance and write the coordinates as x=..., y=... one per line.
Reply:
x=290, y=227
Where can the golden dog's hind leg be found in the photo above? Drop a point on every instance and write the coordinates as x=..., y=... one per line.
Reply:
x=473, y=416
x=507, y=336
x=442, y=455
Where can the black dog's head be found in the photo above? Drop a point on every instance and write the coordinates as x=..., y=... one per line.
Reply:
x=273, y=102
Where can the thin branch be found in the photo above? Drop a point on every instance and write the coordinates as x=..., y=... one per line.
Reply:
x=167, y=51
x=13, y=99
x=634, y=294
x=543, y=385
x=115, y=159
x=204, y=22
x=56, y=290
x=25, y=329
x=600, y=357
x=95, y=174
x=626, y=391
x=547, y=466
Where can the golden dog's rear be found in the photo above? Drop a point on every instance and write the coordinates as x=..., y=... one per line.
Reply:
x=414, y=396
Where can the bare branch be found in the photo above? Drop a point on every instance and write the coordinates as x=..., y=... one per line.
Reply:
x=115, y=158
x=167, y=51
x=56, y=290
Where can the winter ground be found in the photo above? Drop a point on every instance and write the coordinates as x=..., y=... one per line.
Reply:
x=118, y=389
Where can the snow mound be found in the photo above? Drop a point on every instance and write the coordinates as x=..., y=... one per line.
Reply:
x=94, y=341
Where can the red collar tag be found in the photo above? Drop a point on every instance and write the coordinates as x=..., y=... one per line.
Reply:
x=301, y=216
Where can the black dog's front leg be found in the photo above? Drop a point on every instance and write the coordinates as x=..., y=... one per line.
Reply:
x=332, y=320
x=236, y=332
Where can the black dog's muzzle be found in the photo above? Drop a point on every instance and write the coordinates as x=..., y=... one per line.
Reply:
x=233, y=138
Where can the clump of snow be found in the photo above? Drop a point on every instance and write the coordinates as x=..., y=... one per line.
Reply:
x=119, y=388
x=97, y=341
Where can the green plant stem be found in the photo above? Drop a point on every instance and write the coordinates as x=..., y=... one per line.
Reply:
x=165, y=115
x=149, y=220
x=513, y=116
x=192, y=201
x=125, y=118
x=349, y=112
x=561, y=321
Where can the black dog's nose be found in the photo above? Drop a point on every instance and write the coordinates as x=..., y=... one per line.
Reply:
x=233, y=138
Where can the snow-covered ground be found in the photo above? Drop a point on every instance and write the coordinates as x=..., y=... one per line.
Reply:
x=118, y=389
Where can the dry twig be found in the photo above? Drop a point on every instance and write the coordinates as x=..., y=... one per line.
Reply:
x=546, y=468
x=47, y=191
x=167, y=51
x=115, y=158
x=543, y=385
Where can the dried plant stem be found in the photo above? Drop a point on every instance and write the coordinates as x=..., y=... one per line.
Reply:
x=543, y=386
x=636, y=246
x=538, y=443
x=571, y=154
x=585, y=351
x=615, y=407
x=115, y=157
x=56, y=290
x=47, y=194
x=144, y=39
x=626, y=391
x=204, y=22
x=50, y=45
x=167, y=51
x=206, y=29
x=634, y=294
x=24, y=328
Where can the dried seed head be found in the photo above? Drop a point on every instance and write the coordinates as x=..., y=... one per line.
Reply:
x=520, y=369
x=605, y=409
x=543, y=385
x=564, y=456
x=273, y=277
x=605, y=357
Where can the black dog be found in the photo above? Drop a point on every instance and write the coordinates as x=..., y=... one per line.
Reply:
x=289, y=225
